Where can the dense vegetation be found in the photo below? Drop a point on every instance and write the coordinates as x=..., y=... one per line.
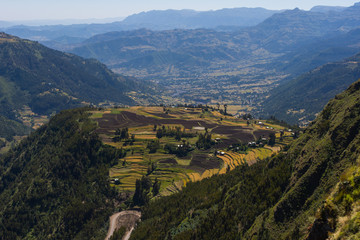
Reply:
x=221, y=207
x=10, y=128
x=277, y=198
x=54, y=184
x=49, y=80
x=305, y=96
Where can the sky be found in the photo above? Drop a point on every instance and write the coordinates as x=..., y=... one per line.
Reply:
x=12, y=10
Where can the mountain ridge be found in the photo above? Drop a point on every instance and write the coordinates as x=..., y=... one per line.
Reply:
x=202, y=19
x=300, y=99
x=31, y=72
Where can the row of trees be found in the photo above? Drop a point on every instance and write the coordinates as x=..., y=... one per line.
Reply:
x=176, y=132
x=121, y=134
x=180, y=150
x=145, y=188
x=204, y=141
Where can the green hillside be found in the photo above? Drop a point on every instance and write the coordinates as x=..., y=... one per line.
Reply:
x=54, y=184
x=309, y=191
x=10, y=128
x=49, y=81
x=300, y=99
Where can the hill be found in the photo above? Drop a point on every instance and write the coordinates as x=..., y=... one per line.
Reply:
x=54, y=184
x=300, y=99
x=309, y=191
x=287, y=30
x=48, y=81
x=10, y=128
x=332, y=48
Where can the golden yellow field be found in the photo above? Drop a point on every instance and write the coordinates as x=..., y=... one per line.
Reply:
x=172, y=171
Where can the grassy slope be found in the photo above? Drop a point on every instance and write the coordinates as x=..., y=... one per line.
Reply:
x=327, y=149
x=54, y=184
x=273, y=199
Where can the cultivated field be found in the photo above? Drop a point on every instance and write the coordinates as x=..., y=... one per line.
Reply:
x=229, y=148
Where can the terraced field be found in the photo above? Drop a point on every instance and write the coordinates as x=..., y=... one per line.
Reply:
x=173, y=170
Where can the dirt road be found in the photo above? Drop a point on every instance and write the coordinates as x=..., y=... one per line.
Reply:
x=127, y=219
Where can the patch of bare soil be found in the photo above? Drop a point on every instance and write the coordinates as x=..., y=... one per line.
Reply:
x=109, y=122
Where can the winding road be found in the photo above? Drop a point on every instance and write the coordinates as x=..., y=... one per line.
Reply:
x=124, y=218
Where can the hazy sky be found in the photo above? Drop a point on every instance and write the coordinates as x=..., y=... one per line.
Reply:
x=84, y=9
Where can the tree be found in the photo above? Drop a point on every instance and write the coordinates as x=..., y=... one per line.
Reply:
x=156, y=187
x=272, y=139
x=159, y=133
x=117, y=132
x=142, y=189
x=281, y=135
x=124, y=133
x=146, y=183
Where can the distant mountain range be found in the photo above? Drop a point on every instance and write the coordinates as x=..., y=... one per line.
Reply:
x=281, y=33
x=327, y=8
x=190, y=19
x=154, y=20
x=280, y=48
x=47, y=22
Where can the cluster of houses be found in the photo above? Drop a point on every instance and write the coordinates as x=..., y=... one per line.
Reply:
x=255, y=144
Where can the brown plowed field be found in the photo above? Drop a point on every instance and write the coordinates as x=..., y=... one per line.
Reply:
x=169, y=161
x=229, y=129
x=162, y=115
x=109, y=122
x=264, y=133
x=201, y=162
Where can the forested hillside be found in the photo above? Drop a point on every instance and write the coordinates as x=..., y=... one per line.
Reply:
x=300, y=99
x=10, y=128
x=54, y=184
x=49, y=80
x=285, y=197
